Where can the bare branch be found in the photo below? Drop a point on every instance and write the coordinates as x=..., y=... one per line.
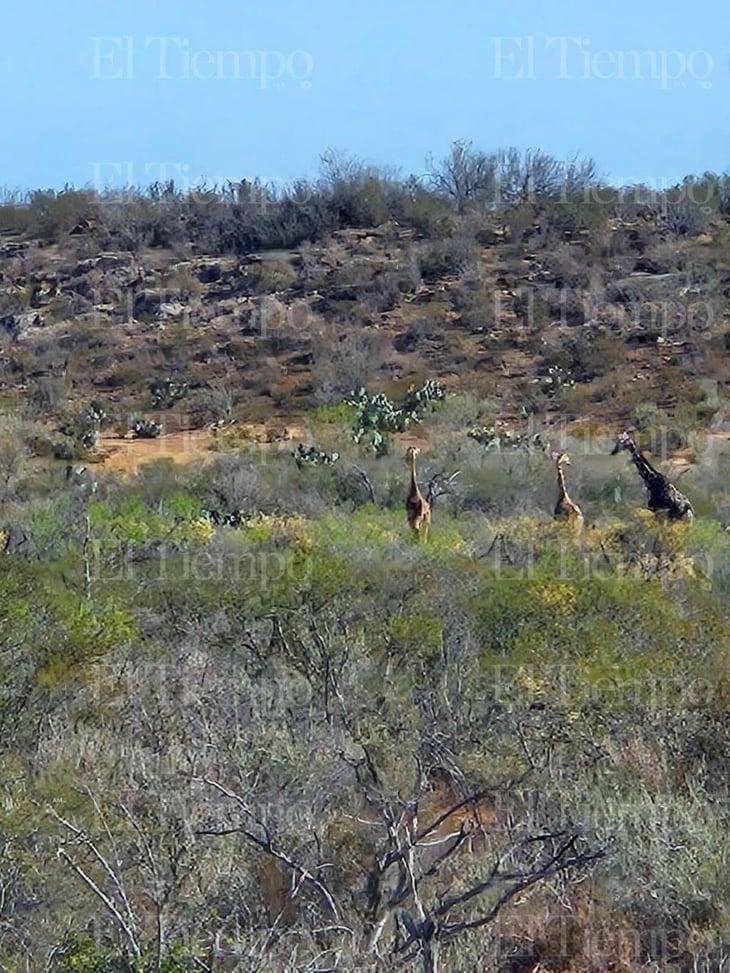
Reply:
x=114, y=877
x=436, y=925
x=439, y=485
x=159, y=896
x=266, y=844
x=365, y=480
x=83, y=839
x=435, y=824
x=450, y=929
x=109, y=905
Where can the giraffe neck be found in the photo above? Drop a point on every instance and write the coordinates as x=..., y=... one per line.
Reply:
x=561, y=483
x=646, y=471
x=414, y=485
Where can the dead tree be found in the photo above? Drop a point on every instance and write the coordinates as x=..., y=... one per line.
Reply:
x=439, y=485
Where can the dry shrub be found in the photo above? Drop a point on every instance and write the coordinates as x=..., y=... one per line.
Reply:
x=566, y=264
x=345, y=363
x=182, y=277
x=271, y=276
x=569, y=932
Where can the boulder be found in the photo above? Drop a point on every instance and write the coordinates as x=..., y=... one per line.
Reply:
x=208, y=273
x=17, y=326
x=172, y=309
x=150, y=301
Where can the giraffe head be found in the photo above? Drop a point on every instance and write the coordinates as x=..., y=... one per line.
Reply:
x=412, y=452
x=623, y=442
x=560, y=457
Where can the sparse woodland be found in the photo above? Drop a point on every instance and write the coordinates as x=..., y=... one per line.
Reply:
x=250, y=722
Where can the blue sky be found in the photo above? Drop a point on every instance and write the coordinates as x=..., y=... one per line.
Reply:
x=113, y=92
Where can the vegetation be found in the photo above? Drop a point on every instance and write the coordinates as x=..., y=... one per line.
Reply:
x=376, y=417
x=214, y=734
x=247, y=722
x=313, y=456
x=145, y=428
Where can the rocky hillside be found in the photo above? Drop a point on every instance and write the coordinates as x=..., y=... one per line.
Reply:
x=588, y=310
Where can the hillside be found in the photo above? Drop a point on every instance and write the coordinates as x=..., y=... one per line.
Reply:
x=251, y=719
x=585, y=309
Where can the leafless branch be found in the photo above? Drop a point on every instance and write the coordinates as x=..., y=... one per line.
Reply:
x=499, y=546
x=125, y=925
x=439, y=485
x=265, y=843
x=425, y=832
x=437, y=926
x=159, y=895
x=362, y=476
x=82, y=838
x=108, y=904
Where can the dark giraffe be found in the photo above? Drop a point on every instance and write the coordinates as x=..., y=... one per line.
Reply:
x=662, y=495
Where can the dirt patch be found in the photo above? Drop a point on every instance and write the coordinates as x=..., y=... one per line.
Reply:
x=127, y=456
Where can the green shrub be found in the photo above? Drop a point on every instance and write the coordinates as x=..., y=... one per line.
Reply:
x=166, y=392
x=377, y=417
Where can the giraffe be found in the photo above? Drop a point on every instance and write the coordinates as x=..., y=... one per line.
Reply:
x=662, y=495
x=565, y=509
x=418, y=508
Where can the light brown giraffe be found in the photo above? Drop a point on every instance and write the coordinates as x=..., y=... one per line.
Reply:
x=565, y=509
x=418, y=508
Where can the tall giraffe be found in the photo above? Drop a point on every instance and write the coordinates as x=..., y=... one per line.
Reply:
x=662, y=495
x=418, y=508
x=566, y=508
